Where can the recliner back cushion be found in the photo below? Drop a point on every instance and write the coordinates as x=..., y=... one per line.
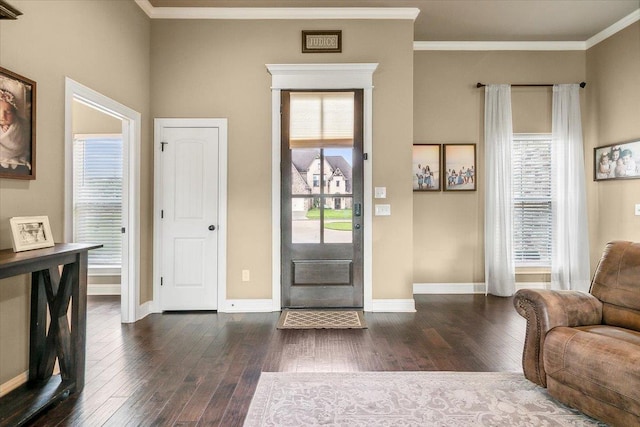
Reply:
x=617, y=284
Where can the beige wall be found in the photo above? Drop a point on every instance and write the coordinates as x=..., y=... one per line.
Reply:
x=613, y=90
x=103, y=45
x=217, y=69
x=448, y=108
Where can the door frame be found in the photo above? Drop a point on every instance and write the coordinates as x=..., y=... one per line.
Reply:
x=222, y=125
x=322, y=76
x=131, y=126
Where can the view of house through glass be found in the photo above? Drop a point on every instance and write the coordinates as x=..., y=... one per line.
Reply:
x=321, y=143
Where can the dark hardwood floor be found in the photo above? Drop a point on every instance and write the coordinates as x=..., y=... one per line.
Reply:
x=201, y=369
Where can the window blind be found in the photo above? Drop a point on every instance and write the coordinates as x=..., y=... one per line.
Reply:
x=532, y=212
x=97, y=197
x=321, y=119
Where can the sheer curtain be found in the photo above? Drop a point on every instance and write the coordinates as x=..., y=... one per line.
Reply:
x=570, y=240
x=498, y=220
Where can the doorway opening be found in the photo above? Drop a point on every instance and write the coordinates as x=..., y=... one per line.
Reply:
x=77, y=97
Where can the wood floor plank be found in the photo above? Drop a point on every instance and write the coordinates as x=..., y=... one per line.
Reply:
x=201, y=369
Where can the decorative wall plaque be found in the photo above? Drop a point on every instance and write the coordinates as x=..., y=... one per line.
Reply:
x=321, y=41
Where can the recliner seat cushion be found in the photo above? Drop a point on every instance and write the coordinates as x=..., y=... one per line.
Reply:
x=600, y=361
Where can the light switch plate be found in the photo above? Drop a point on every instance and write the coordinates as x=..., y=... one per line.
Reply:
x=380, y=193
x=383, y=210
x=638, y=210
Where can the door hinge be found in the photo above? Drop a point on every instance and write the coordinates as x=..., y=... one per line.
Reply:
x=365, y=156
x=161, y=281
x=123, y=230
x=162, y=144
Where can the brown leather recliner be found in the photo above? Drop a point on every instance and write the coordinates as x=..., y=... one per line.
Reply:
x=585, y=348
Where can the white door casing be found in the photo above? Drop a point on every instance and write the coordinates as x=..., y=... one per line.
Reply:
x=131, y=125
x=188, y=260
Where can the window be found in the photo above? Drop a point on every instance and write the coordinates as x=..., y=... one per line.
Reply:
x=316, y=180
x=97, y=197
x=532, y=214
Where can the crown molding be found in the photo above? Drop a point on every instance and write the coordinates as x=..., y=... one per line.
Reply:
x=628, y=20
x=409, y=13
x=492, y=45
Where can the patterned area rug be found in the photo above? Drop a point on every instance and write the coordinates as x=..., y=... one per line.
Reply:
x=406, y=399
x=321, y=319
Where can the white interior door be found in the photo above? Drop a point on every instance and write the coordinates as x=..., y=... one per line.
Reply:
x=189, y=269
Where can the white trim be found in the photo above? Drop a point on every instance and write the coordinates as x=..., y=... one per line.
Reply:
x=131, y=127
x=253, y=13
x=628, y=20
x=103, y=289
x=322, y=76
x=498, y=45
x=467, y=288
x=393, y=306
x=146, y=309
x=222, y=125
x=249, y=306
x=13, y=383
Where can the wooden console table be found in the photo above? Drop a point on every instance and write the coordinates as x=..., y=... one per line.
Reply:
x=52, y=292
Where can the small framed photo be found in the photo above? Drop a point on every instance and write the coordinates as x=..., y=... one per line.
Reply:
x=17, y=126
x=30, y=232
x=617, y=161
x=426, y=167
x=459, y=165
x=322, y=41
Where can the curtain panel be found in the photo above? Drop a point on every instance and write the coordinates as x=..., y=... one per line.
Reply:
x=498, y=134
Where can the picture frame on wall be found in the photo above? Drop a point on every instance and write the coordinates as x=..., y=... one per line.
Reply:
x=17, y=126
x=459, y=167
x=617, y=161
x=30, y=232
x=426, y=167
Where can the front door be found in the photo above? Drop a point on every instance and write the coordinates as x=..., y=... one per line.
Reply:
x=189, y=182
x=322, y=195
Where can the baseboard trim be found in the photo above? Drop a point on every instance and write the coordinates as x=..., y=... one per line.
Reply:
x=393, y=305
x=144, y=310
x=247, y=306
x=467, y=288
x=14, y=383
x=102, y=289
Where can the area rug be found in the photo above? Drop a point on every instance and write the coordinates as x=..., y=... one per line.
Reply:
x=406, y=399
x=321, y=319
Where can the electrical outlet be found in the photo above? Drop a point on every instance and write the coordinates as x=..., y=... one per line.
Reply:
x=638, y=210
x=245, y=275
x=383, y=210
x=380, y=193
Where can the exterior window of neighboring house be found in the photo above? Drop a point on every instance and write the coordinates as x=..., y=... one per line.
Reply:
x=316, y=181
x=337, y=183
x=532, y=213
x=97, y=197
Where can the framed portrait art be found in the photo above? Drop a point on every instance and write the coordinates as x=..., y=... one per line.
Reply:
x=17, y=126
x=426, y=167
x=30, y=232
x=617, y=161
x=459, y=166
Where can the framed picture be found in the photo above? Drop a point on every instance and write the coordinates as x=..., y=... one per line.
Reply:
x=322, y=41
x=426, y=167
x=459, y=166
x=617, y=161
x=30, y=232
x=17, y=126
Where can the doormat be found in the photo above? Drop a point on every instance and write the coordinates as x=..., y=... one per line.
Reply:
x=321, y=319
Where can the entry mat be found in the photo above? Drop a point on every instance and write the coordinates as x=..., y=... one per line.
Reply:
x=321, y=319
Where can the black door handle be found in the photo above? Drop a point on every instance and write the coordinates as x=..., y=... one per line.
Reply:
x=212, y=227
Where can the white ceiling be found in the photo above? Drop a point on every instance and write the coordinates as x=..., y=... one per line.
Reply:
x=473, y=20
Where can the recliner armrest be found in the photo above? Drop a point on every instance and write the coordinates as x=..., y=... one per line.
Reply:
x=545, y=310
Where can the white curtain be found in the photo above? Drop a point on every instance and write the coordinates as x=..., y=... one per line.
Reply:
x=498, y=219
x=570, y=247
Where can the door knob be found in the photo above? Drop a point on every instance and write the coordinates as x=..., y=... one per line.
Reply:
x=212, y=227
x=357, y=226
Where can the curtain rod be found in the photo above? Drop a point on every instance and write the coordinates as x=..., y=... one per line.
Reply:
x=582, y=85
